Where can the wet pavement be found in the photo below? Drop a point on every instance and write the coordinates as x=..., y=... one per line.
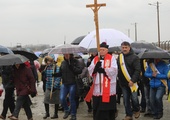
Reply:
x=82, y=114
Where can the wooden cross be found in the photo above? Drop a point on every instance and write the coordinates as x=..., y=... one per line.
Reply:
x=95, y=7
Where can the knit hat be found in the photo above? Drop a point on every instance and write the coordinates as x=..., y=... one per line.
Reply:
x=103, y=44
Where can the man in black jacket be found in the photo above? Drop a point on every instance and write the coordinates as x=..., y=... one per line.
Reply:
x=128, y=77
x=69, y=69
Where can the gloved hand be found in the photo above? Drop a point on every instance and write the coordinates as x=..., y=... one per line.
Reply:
x=101, y=70
x=97, y=66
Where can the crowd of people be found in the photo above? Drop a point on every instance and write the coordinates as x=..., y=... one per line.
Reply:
x=100, y=82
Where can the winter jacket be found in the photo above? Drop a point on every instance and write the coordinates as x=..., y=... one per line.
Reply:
x=69, y=70
x=23, y=78
x=133, y=67
x=48, y=73
x=156, y=81
x=6, y=74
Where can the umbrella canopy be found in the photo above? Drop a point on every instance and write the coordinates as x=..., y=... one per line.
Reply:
x=111, y=49
x=137, y=51
x=111, y=36
x=12, y=59
x=154, y=54
x=25, y=52
x=144, y=45
x=6, y=50
x=45, y=52
x=68, y=49
x=78, y=40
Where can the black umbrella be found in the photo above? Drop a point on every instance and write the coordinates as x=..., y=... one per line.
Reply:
x=12, y=59
x=155, y=54
x=137, y=51
x=78, y=40
x=144, y=45
x=6, y=50
x=25, y=52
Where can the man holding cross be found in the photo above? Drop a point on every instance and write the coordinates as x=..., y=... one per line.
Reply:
x=104, y=72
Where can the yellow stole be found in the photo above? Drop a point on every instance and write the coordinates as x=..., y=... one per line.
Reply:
x=145, y=64
x=126, y=74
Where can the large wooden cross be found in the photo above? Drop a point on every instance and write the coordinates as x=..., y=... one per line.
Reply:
x=95, y=7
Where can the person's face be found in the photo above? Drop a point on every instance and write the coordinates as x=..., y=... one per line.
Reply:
x=67, y=56
x=103, y=51
x=49, y=62
x=125, y=49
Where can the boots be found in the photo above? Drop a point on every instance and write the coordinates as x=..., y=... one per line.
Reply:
x=54, y=116
x=55, y=111
x=47, y=111
x=118, y=98
x=46, y=116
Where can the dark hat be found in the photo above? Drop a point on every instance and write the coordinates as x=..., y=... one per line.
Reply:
x=103, y=44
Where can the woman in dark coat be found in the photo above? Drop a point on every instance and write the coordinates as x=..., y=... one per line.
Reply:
x=25, y=84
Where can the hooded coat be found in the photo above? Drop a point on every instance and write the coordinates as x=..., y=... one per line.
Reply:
x=23, y=77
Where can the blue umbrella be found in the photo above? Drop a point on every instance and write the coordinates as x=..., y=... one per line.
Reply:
x=6, y=50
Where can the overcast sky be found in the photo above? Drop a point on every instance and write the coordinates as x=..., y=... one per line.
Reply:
x=54, y=21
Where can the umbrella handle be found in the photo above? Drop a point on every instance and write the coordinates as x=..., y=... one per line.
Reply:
x=52, y=85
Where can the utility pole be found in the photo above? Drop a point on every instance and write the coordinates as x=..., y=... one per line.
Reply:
x=135, y=31
x=129, y=33
x=157, y=7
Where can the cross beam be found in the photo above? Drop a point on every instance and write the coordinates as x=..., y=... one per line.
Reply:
x=95, y=7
